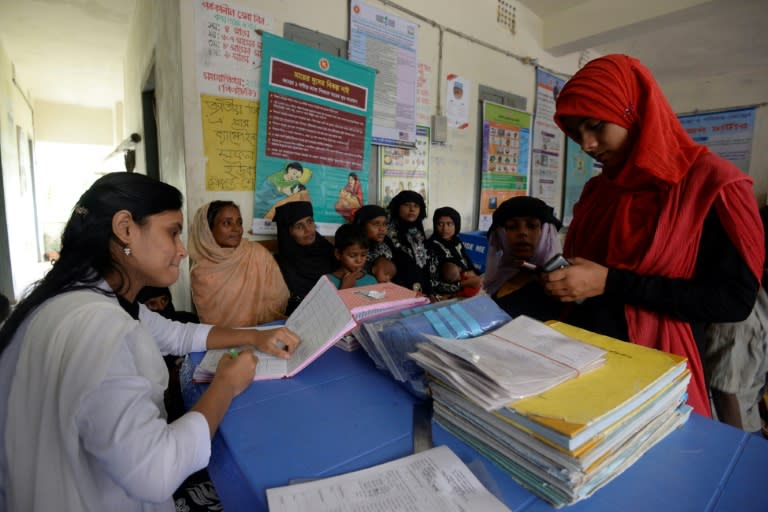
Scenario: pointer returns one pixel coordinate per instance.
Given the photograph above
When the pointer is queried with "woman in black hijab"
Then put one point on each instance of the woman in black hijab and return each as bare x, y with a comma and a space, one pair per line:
446, 248
407, 212
303, 254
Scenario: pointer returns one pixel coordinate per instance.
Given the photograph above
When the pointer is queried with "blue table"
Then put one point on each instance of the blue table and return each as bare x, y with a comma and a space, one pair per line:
340, 414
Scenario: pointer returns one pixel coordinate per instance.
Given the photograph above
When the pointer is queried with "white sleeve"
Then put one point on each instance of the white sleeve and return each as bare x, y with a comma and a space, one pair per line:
126, 433
174, 338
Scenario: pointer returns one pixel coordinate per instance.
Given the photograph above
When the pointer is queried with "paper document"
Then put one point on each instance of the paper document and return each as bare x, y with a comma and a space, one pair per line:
521, 358
432, 480
320, 321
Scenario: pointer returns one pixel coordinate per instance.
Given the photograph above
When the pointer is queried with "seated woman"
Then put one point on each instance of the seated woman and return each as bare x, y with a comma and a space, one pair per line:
407, 212
372, 219
351, 249
453, 271
524, 229
303, 254
235, 282
81, 367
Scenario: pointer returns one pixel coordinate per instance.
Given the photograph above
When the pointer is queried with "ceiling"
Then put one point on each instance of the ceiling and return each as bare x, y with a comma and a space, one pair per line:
68, 51
72, 51
700, 39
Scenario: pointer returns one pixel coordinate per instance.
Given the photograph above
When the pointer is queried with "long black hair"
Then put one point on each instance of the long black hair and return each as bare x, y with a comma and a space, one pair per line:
85, 256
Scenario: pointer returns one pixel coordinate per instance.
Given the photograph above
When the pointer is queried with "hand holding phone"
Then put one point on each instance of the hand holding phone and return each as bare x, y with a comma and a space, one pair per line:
555, 262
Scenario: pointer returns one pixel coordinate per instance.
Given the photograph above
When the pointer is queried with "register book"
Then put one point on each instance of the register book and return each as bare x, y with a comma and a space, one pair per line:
321, 320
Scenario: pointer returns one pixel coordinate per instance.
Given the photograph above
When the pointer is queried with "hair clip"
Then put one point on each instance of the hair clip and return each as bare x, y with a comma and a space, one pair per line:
81, 210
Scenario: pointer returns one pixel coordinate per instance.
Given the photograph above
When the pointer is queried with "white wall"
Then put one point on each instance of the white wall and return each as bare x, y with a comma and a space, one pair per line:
19, 267
74, 124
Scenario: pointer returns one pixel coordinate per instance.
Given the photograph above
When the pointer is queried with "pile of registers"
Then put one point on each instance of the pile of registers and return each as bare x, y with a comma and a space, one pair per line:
563, 410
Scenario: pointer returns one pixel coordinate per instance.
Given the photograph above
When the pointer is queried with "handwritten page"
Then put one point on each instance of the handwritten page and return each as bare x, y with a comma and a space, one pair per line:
431, 480
230, 127
320, 321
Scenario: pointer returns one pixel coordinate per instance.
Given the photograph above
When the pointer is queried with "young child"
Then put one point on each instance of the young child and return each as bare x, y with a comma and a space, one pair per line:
453, 273
372, 220
351, 252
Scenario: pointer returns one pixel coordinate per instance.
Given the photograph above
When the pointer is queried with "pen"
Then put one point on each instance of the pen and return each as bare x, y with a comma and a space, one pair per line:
233, 352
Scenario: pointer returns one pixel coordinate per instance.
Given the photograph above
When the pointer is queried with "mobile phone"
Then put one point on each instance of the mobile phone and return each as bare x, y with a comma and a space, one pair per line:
555, 262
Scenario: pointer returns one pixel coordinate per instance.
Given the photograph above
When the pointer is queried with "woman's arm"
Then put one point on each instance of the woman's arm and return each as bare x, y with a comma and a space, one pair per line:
722, 289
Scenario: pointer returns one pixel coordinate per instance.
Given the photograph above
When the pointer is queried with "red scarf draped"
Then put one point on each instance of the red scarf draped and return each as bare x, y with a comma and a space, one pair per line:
648, 216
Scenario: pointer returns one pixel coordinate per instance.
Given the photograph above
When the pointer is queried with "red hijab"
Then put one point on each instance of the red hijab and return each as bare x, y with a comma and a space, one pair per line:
648, 215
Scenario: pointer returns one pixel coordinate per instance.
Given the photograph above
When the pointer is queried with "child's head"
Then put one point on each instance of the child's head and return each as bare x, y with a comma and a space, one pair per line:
383, 270
523, 218
155, 298
373, 221
293, 171
351, 247
446, 223
450, 271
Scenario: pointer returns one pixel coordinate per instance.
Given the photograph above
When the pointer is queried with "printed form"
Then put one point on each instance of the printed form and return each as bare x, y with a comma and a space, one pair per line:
431, 480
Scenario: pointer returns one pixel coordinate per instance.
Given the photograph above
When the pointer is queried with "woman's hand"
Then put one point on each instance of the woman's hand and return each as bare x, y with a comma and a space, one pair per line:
236, 372
280, 342
583, 279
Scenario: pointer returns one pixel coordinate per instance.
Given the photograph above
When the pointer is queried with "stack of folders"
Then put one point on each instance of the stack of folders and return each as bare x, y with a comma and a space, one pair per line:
373, 301
389, 339
569, 439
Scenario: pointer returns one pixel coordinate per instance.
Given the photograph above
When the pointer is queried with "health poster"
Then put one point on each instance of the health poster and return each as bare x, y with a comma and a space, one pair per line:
547, 143
314, 134
506, 145
579, 168
405, 169
727, 133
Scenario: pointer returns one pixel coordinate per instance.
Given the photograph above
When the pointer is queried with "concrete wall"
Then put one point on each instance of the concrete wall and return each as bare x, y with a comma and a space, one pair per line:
73, 124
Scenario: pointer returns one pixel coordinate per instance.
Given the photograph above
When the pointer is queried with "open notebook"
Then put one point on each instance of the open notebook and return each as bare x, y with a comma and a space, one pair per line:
321, 320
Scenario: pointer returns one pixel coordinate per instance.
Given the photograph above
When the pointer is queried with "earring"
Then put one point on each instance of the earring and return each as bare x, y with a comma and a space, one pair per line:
127, 250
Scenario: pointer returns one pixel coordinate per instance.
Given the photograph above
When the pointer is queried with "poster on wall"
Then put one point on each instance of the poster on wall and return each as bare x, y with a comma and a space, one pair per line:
228, 50
547, 143
728, 133
457, 101
579, 168
423, 95
314, 134
387, 43
504, 169
405, 169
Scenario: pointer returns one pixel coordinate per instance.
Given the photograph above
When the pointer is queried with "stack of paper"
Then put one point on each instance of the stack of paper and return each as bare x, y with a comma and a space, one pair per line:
567, 442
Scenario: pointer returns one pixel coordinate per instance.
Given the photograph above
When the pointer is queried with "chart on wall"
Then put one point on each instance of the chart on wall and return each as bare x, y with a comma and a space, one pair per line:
579, 168
314, 134
728, 133
547, 143
387, 43
504, 171
405, 169
228, 52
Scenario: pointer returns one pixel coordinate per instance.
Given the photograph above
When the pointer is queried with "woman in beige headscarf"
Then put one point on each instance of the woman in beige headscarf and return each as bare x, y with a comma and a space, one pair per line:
235, 282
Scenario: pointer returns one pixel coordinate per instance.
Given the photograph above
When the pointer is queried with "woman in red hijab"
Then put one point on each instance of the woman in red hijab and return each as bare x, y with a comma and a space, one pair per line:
668, 238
